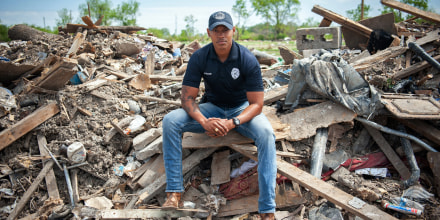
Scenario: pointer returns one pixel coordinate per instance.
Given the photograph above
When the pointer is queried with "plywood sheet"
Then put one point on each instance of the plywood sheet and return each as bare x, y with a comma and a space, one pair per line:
303, 123
412, 106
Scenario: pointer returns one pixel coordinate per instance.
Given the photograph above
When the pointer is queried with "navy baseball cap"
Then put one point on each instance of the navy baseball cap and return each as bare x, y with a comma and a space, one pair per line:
220, 18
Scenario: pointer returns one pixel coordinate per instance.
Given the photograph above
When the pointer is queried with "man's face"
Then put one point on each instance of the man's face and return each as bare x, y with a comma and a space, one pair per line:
221, 37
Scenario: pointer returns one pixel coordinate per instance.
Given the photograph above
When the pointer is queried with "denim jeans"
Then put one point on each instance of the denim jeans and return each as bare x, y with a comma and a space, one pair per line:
259, 129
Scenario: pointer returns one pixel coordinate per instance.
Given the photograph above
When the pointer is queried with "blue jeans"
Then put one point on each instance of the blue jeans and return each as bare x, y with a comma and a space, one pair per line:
259, 129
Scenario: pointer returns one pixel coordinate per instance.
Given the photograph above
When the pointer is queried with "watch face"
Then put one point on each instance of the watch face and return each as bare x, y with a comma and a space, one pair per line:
236, 121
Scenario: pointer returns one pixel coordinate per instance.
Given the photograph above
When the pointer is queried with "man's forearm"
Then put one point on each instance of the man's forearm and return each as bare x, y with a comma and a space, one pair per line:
188, 100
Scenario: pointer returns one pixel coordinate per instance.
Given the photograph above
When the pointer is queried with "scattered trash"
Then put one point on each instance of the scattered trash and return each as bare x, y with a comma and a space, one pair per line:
401, 209
76, 152
377, 172
135, 125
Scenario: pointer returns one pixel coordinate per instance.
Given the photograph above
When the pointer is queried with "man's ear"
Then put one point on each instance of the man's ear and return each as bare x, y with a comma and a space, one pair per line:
207, 30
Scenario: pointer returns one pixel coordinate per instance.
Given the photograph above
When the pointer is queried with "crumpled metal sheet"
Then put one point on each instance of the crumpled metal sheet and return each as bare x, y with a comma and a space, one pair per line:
331, 76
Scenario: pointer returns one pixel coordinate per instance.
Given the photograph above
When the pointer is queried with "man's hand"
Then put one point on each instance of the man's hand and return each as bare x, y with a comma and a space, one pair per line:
217, 127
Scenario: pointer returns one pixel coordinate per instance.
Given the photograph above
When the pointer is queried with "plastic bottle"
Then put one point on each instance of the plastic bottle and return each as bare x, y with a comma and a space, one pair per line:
76, 152
135, 125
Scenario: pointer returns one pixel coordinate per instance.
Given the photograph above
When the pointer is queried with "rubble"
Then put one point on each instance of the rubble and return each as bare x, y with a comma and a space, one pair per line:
339, 114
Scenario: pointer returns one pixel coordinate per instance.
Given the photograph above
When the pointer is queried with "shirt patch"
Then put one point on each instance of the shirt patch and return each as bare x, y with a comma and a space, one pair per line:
208, 74
235, 73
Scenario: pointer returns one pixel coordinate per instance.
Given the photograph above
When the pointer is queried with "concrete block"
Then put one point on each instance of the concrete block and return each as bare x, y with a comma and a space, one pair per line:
154, 148
145, 138
316, 38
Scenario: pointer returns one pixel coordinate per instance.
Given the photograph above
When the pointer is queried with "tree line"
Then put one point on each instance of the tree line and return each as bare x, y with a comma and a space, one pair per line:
279, 18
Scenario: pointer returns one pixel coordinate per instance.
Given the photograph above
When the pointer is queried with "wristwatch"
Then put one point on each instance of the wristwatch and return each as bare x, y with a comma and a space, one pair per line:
236, 121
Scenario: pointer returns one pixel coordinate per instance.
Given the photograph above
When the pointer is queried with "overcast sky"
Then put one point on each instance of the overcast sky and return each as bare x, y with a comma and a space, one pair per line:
168, 13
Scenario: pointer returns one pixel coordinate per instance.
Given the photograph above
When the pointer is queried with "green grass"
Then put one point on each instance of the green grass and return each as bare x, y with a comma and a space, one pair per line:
270, 47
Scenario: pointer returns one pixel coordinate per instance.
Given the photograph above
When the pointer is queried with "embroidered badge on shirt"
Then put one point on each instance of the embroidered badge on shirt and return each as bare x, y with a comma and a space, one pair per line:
235, 73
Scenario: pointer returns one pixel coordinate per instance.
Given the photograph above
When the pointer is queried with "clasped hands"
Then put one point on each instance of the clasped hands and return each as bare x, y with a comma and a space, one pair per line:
218, 127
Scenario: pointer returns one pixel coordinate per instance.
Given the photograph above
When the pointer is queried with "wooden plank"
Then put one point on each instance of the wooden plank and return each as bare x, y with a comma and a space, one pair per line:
323, 189
155, 99
276, 94
30, 191
51, 182
160, 78
423, 128
325, 22
415, 68
93, 84
389, 152
434, 163
361, 29
28, 123
380, 56
151, 190
220, 168
75, 189
201, 140
155, 170
430, 36
283, 198
429, 16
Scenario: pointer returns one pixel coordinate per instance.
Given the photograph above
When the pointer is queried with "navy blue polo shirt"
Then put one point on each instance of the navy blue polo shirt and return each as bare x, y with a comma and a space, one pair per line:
226, 83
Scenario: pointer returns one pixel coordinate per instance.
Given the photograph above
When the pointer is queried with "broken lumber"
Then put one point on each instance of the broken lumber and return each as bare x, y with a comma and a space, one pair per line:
283, 198
423, 128
155, 99
380, 56
276, 94
30, 191
352, 25
72, 28
56, 77
415, 68
51, 181
323, 189
152, 189
28, 123
220, 168
389, 152
429, 16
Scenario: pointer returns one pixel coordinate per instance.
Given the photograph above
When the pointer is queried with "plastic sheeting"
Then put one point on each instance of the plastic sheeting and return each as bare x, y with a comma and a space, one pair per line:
327, 74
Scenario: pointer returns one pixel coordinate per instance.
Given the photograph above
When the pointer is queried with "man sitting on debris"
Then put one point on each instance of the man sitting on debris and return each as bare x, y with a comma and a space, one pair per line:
234, 100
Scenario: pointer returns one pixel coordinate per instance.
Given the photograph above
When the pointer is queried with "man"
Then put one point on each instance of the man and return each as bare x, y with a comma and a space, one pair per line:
234, 100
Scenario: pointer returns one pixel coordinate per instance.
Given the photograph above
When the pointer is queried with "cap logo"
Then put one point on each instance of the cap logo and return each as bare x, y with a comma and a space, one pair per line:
219, 16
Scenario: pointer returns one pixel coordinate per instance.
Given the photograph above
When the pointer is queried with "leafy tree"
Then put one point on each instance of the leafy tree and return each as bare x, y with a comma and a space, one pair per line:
65, 17
399, 16
239, 9
190, 30
126, 13
355, 14
97, 9
310, 22
3, 32
276, 12
160, 33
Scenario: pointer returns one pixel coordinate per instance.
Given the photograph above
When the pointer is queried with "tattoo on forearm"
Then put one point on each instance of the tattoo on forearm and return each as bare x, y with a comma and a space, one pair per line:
189, 102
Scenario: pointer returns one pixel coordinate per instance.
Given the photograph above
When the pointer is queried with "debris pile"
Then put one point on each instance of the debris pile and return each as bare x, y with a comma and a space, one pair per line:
357, 128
